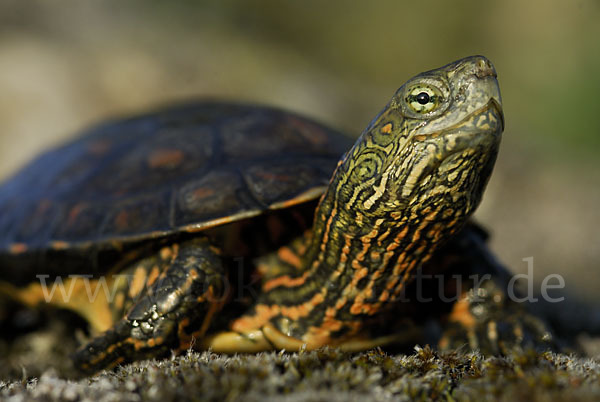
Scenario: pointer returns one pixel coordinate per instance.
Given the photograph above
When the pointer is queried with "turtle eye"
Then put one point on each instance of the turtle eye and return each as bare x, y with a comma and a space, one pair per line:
422, 99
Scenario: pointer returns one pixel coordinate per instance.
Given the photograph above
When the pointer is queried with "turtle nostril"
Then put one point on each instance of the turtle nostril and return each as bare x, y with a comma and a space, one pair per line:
485, 69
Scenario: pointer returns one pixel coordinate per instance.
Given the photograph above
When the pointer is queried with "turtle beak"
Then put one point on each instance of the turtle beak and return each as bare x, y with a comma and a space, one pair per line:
485, 71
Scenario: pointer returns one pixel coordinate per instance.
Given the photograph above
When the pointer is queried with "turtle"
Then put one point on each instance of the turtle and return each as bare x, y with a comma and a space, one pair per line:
244, 228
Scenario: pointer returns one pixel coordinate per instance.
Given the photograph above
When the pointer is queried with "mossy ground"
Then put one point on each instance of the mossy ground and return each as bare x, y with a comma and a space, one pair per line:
330, 375
36, 367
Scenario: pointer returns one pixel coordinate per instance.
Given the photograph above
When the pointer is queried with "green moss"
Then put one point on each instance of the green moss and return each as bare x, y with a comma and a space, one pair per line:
329, 374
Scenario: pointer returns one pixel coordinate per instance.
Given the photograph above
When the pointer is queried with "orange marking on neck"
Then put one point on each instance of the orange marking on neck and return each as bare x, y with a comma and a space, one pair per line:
285, 280
396, 215
357, 306
426, 222
327, 229
330, 324
447, 213
317, 261
359, 275
339, 304
394, 245
288, 256
365, 308
381, 238
369, 236
302, 247
321, 335
392, 283
263, 269
384, 296
387, 256
401, 285
302, 310
262, 314
366, 244
401, 266
346, 248
401, 261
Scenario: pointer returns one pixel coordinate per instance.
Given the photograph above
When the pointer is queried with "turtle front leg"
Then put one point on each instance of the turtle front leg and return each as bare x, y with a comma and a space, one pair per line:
172, 296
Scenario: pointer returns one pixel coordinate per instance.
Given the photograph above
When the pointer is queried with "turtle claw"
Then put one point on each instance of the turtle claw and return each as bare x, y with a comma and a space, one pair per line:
168, 315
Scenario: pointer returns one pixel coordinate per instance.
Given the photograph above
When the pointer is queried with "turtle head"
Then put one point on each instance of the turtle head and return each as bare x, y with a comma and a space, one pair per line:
431, 150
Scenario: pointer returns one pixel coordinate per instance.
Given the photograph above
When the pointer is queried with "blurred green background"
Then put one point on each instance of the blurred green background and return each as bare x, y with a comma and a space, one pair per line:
65, 65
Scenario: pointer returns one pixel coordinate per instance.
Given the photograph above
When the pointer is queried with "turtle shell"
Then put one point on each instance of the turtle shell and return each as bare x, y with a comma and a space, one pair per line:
181, 169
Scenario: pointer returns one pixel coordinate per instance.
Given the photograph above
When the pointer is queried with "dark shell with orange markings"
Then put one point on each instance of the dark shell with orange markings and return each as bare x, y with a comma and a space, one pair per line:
181, 169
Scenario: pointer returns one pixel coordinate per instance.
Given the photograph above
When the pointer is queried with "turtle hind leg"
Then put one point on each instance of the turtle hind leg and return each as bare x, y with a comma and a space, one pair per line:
487, 320
175, 308
481, 314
